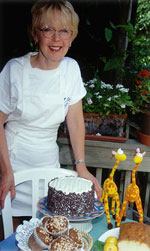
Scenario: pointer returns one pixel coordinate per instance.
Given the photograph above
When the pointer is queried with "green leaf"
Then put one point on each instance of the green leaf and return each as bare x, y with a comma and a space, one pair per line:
31, 44
125, 26
88, 22
89, 95
130, 24
112, 25
113, 63
98, 246
108, 34
103, 59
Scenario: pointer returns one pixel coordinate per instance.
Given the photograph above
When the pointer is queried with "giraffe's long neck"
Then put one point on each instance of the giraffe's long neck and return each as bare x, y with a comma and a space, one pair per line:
133, 174
113, 170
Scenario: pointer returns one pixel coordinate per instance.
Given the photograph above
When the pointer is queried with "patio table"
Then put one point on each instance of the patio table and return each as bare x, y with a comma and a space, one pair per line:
99, 227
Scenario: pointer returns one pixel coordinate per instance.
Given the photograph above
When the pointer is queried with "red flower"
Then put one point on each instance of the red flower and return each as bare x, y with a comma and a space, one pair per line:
138, 82
144, 92
143, 73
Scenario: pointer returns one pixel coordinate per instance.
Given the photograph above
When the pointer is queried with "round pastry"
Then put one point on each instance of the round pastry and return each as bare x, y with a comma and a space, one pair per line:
62, 243
44, 220
57, 225
39, 239
76, 237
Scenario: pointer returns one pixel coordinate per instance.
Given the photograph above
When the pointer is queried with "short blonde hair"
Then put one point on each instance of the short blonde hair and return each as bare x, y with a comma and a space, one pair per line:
43, 7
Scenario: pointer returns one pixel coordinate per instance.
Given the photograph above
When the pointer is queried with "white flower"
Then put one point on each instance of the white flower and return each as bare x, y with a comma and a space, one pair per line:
89, 100
92, 81
123, 106
85, 84
124, 89
92, 86
103, 85
107, 86
105, 97
118, 86
99, 97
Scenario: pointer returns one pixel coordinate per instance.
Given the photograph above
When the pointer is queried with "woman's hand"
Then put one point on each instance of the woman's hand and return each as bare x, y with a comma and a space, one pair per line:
6, 185
84, 173
6, 172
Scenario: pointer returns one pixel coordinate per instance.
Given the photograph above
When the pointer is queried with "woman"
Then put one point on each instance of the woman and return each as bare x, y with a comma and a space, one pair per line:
37, 92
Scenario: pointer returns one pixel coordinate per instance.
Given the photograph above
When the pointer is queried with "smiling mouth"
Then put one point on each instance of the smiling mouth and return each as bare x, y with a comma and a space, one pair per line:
55, 48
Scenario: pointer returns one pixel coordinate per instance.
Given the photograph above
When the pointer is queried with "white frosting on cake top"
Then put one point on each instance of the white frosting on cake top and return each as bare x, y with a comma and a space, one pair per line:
71, 185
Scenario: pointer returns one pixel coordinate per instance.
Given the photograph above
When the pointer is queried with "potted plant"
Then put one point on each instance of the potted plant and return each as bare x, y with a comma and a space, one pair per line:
141, 104
105, 108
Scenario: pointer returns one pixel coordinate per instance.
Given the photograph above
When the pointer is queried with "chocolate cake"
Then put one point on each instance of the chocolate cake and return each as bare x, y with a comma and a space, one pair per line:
70, 196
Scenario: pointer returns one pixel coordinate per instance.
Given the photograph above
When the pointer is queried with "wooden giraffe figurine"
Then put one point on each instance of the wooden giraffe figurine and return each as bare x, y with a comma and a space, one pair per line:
110, 190
132, 192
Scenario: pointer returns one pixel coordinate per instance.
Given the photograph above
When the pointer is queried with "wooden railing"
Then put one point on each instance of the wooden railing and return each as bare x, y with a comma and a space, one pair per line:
98, 156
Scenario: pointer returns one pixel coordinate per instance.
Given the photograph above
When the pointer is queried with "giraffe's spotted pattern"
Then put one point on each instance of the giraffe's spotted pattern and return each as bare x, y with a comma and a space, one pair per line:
132, 192
110, 190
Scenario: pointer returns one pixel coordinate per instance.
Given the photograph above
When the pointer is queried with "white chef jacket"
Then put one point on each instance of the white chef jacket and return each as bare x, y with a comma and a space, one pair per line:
37, 102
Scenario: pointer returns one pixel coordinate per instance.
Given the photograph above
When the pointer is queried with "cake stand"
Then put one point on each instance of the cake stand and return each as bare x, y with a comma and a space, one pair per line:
82, 223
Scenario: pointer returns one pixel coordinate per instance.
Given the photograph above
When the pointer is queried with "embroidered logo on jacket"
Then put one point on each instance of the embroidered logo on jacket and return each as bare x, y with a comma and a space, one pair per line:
66, 101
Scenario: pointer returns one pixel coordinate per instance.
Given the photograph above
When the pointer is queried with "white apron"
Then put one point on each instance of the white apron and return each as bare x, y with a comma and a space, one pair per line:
32, 138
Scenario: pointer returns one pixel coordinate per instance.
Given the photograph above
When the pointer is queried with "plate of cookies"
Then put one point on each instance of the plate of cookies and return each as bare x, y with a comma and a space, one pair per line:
98, 211
51, 232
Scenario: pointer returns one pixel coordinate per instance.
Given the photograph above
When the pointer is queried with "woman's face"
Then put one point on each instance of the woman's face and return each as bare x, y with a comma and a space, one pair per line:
53, 42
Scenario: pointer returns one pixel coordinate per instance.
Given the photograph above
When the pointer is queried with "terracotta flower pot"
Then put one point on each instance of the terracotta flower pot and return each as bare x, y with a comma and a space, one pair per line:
96, 126
106, 125
143, 138
145, 125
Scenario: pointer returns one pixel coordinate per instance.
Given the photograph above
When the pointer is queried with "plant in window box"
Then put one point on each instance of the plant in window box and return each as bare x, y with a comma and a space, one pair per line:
141, 104
141, 94
105, 108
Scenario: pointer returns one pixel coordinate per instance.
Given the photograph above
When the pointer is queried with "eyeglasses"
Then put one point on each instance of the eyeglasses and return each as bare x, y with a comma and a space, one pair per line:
49, 32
